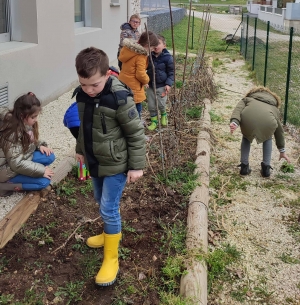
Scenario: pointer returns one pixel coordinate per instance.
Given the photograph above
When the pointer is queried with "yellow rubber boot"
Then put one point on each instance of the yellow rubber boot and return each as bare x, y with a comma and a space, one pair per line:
164, 119
96, 241
154, 123
110, 267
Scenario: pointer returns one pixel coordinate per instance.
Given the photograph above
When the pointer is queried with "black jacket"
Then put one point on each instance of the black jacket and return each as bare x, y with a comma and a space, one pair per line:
164, 69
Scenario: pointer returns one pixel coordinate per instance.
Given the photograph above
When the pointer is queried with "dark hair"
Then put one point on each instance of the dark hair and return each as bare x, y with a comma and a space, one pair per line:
162, 38
153, 40
12, 127
90, 61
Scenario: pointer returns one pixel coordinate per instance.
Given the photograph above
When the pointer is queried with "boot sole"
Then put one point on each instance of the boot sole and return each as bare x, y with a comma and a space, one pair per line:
109, 283
94, 247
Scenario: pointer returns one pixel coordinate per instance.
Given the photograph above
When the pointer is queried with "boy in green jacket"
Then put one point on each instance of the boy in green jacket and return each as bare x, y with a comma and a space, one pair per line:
111, 143
258, 116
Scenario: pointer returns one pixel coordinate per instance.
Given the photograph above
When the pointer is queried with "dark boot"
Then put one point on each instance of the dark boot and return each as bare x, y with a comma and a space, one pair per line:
245, 169
265, 170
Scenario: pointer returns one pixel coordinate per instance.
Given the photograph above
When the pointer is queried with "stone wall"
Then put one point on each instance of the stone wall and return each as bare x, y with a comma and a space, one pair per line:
160, 20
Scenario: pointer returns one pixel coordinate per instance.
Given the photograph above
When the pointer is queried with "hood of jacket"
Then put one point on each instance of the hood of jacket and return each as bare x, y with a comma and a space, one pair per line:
132, 49
125, 26
265, 95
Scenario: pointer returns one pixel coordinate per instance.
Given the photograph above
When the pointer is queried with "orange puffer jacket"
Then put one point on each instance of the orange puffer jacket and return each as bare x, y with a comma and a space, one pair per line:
134, 60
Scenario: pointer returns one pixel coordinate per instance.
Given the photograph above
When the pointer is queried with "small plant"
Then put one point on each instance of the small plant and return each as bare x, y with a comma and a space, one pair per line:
40, 234
168, 298
89, 264
179, 84
288, 259
66, 187
73, 202
3, 263
183, 178
218, 260
217, 62
194, 112
124, 252
214, 117
6, 299
287, 167
172, 271
71, 292
126, 227
86, 188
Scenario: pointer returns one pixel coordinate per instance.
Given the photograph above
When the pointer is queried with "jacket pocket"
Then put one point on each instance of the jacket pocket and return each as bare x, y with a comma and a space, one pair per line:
116, 152
103, 123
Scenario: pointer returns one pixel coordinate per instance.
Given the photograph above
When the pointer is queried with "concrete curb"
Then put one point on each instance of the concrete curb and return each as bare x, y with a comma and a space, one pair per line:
194, 284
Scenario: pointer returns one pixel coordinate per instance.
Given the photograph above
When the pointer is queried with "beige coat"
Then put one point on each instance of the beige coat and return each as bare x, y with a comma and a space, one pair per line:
134, 60
15, 161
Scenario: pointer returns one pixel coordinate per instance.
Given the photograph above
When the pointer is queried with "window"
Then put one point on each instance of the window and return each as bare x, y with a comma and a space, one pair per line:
114, 2
79, 13
4, 21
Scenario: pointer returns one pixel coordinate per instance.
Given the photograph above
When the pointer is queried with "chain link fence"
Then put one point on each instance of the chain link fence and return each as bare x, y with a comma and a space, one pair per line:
274, 56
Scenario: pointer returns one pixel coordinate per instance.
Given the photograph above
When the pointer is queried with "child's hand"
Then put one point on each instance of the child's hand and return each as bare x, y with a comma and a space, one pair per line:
134, 175
48, 173
284, 156
79, 158
46, 150
146, 86
233, 127
167, 88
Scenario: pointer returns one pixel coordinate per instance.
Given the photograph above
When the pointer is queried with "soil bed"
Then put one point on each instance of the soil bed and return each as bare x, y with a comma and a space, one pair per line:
34, 271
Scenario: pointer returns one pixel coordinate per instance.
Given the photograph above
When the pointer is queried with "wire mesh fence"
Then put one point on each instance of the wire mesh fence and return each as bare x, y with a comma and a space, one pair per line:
148, 5
274, 56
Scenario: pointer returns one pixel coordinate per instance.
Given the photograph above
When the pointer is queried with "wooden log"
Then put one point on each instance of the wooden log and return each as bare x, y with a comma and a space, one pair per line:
17, 216
194, 284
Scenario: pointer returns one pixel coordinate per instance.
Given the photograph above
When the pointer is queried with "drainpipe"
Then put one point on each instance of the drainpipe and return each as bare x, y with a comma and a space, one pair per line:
128, 9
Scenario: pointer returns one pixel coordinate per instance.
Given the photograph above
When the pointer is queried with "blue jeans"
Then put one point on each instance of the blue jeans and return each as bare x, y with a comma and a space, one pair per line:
139, 108
108, 191
35, 183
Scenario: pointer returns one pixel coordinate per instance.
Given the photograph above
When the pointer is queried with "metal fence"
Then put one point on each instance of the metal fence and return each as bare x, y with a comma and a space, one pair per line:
149, 5
274, 56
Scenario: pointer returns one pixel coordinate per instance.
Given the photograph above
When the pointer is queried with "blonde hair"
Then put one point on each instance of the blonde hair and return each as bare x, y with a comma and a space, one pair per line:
135, 16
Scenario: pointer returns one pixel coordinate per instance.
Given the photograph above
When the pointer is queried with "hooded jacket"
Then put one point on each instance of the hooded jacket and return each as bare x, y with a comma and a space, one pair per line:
16, 162
259, 117
128, 32
164, 69
111, 136
134, 60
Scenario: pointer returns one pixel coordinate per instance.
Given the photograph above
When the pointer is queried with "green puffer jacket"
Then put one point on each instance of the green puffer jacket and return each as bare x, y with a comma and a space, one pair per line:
16, 162
111, 135
259, 117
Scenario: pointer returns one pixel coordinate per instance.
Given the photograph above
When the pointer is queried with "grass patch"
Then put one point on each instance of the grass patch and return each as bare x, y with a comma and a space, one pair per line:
194, 112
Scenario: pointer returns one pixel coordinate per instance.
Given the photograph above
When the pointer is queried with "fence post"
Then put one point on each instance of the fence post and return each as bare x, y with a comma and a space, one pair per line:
288, 76
193, 30
267, 53
242, 33
246, 46
254, 44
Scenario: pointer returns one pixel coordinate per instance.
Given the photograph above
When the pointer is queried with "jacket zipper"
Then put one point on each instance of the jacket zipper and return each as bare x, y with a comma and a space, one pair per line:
103, 123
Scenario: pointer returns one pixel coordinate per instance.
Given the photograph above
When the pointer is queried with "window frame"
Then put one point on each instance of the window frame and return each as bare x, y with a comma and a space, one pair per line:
5, 37
80, 24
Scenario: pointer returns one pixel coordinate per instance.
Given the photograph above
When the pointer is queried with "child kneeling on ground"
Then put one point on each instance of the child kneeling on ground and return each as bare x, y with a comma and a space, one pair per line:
111, 143
24, 159
258, 116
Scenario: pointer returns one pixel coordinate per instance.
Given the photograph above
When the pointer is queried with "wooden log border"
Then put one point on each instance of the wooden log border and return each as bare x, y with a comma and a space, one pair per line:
194, 284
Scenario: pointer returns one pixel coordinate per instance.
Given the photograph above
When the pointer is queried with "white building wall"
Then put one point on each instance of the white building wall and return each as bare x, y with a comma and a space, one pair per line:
42, 57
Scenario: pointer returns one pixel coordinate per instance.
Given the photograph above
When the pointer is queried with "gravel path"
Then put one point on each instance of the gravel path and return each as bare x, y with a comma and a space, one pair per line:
55, 134
258, 219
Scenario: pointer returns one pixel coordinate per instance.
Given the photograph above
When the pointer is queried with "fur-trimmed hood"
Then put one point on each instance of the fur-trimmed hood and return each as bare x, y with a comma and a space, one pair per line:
264, 93
134, 46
